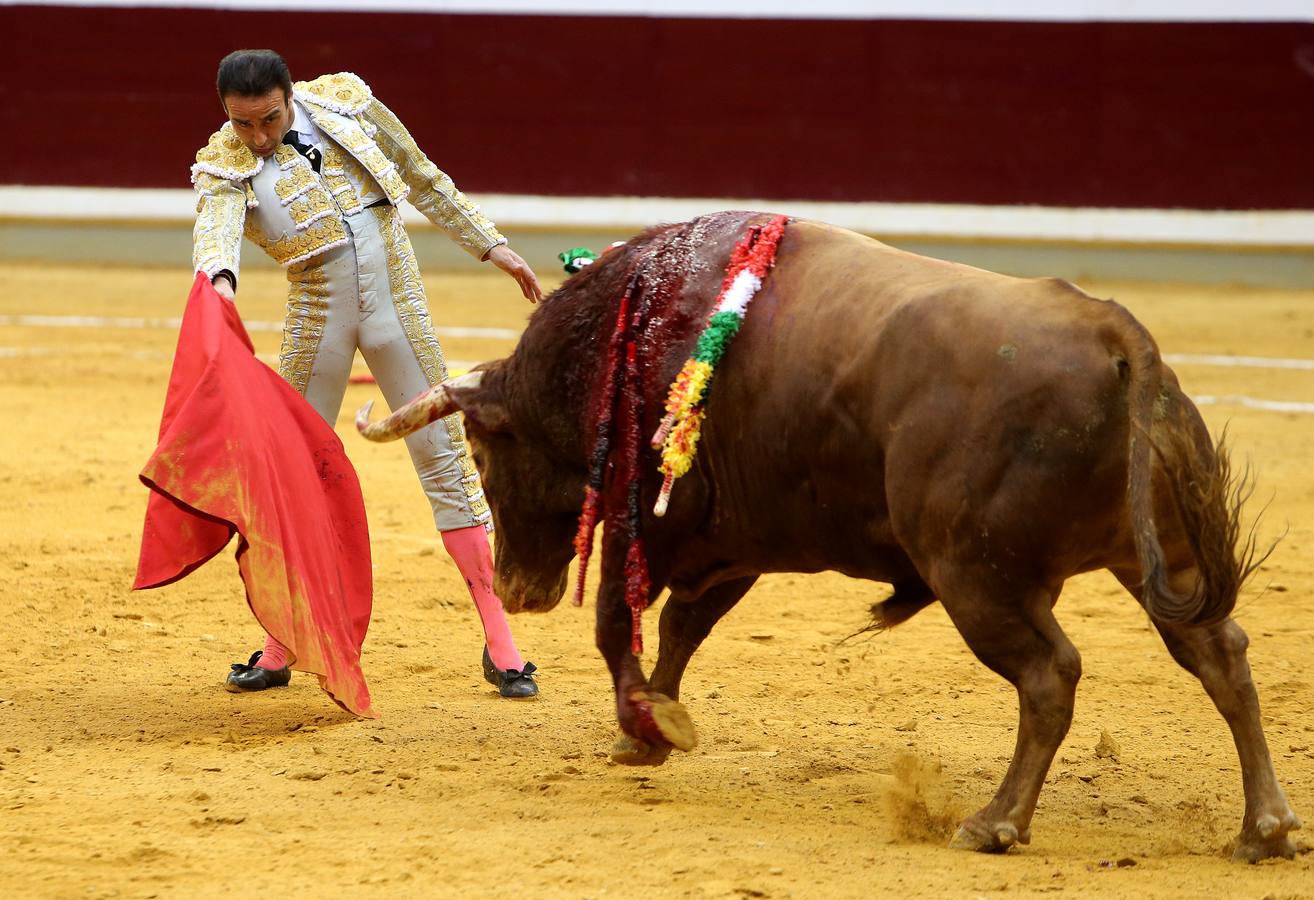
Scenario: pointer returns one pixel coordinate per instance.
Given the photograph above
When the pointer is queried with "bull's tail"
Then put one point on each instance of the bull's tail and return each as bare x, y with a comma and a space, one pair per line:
1207, 494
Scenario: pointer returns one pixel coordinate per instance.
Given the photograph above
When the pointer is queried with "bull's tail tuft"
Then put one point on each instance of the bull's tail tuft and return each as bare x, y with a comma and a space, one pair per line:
911, 596
1208, 497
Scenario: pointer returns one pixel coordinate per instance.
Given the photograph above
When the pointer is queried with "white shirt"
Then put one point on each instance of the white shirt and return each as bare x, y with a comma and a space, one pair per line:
307, 131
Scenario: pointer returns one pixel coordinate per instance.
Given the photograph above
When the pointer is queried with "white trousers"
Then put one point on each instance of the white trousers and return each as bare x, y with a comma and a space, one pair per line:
367, 295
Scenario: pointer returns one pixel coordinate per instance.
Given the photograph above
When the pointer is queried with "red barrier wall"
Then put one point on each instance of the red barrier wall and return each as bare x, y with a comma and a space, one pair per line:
1065, 114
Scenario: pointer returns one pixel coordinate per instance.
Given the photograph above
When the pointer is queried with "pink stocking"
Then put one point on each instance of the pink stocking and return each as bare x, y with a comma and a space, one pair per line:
274, 655
469, 549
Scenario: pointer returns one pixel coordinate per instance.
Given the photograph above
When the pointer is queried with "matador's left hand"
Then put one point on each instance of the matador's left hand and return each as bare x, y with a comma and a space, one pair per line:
509, 261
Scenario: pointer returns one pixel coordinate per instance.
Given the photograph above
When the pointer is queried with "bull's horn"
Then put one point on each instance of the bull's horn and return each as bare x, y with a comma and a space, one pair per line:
432, 405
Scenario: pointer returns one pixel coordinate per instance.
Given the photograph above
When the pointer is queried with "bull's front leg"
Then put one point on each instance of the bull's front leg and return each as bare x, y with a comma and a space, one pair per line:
687, 620
653, 724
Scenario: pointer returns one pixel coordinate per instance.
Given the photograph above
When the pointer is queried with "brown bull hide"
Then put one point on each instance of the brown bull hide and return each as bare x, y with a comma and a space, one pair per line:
964, 436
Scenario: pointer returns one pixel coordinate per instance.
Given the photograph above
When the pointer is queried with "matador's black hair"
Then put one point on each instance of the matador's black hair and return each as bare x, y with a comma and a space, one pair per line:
253, 73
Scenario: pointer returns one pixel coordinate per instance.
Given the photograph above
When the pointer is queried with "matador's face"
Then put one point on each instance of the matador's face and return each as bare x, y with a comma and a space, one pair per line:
260, 122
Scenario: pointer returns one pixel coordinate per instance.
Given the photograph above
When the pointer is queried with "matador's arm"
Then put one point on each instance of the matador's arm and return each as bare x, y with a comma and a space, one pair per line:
220, 217
432, 192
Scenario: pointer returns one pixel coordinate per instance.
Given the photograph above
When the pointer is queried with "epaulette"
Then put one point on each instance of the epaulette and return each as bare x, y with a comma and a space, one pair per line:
342, 93
225, 156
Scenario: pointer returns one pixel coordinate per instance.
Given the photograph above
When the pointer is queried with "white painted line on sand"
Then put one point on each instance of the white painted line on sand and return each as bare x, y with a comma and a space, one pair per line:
1250, 362
457, 366
1289, 406
172, 324
467, 331
454, 366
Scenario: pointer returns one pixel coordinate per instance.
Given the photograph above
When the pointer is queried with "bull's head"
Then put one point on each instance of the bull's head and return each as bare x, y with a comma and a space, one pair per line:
535, 498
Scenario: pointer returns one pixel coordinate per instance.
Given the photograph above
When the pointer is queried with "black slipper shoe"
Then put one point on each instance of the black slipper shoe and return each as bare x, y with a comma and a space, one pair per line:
517, 684
250, 677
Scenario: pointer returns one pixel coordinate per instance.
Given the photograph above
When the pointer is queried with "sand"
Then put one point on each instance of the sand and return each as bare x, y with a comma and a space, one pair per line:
826, 768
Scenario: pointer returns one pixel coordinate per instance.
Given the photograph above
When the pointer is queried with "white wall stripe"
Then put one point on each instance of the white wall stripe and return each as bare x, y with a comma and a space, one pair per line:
1015, 10
1217, 228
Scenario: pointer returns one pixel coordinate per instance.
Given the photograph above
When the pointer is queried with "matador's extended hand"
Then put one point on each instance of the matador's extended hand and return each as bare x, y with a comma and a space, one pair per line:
509, 261
224, 288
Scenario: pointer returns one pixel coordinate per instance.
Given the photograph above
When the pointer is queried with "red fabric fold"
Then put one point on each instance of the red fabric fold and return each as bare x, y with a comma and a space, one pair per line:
241, 451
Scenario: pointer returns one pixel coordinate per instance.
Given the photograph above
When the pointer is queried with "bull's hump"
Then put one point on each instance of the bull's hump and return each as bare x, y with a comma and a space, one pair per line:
811, 229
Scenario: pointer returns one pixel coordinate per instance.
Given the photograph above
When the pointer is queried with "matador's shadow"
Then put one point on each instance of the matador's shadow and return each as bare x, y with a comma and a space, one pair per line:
202, 714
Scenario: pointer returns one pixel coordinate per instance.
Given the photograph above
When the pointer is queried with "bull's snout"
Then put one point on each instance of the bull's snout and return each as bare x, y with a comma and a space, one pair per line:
524, 595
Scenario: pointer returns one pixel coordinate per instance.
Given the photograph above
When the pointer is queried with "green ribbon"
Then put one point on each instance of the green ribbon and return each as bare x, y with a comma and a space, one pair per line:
576, 258
720, 331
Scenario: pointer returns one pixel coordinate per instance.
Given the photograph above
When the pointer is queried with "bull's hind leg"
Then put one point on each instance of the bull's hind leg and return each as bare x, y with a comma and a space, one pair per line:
1013, 631
1216, 654
686, 621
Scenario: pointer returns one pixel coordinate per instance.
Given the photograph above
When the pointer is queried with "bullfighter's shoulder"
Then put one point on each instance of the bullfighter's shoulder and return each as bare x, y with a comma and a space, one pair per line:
225, 156
341, 92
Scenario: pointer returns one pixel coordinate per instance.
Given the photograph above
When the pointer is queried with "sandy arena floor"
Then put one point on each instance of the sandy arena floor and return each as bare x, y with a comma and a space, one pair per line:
825, 769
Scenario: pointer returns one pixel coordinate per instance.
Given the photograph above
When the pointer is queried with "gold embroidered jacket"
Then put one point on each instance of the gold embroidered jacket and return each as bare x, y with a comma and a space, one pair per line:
301, 215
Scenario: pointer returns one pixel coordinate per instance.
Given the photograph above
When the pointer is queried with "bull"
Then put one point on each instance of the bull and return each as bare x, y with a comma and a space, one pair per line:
966, 437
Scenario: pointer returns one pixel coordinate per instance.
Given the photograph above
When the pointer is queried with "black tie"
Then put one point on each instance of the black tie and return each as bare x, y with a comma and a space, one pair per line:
305, 150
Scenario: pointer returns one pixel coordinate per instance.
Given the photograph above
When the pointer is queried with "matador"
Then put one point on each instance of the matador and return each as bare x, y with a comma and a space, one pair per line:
313, 173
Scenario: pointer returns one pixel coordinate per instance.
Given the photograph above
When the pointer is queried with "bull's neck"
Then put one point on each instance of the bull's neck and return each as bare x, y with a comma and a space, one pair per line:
566, 361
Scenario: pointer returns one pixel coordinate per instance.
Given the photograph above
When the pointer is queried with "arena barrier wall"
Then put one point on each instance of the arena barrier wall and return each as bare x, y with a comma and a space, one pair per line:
1116, 137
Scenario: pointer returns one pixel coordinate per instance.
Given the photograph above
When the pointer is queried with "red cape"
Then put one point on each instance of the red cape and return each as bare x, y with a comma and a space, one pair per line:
241, 451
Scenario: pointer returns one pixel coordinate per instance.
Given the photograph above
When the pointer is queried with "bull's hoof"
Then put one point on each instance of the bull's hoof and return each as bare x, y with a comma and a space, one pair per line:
628, 751
1267, 839
660, 721
985, 837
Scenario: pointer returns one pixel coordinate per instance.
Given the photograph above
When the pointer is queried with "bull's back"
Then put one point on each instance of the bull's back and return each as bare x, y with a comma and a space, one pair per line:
852, 336
871, 388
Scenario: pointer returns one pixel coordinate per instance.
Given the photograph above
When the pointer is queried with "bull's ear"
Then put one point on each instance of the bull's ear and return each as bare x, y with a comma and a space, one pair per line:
479, 395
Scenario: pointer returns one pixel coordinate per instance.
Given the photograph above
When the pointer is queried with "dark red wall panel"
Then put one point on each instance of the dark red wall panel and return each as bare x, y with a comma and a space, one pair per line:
1103, 114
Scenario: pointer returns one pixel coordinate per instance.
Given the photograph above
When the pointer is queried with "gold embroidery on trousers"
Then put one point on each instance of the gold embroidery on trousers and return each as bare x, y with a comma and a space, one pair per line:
408, 297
